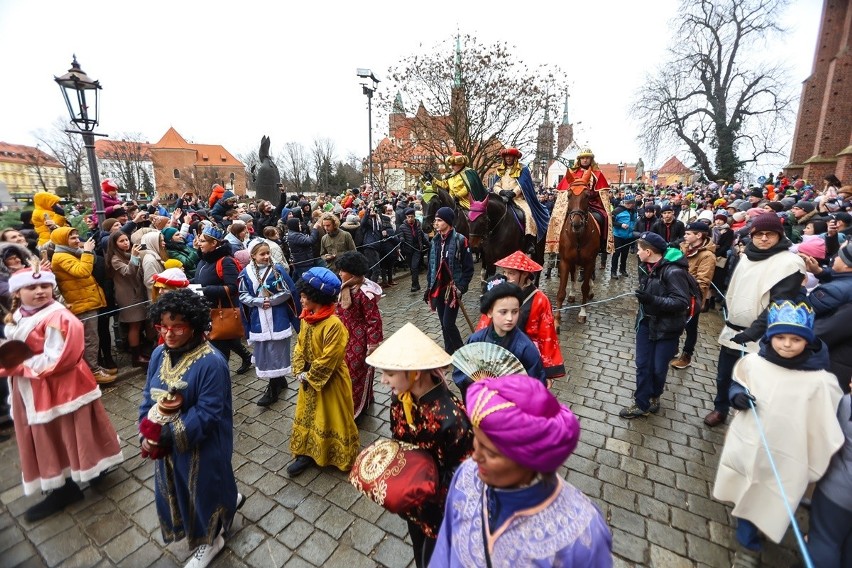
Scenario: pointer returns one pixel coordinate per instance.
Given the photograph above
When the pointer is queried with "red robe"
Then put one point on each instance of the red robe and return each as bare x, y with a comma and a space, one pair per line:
541, 329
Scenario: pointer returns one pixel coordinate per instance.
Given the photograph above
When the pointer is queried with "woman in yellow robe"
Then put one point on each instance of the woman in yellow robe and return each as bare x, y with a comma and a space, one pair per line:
324, 430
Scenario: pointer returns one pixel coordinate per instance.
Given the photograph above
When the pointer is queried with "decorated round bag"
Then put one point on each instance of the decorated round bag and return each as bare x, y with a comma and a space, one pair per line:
396, 475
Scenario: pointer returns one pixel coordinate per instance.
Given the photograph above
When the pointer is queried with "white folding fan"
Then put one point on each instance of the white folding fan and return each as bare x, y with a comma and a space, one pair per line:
481, 359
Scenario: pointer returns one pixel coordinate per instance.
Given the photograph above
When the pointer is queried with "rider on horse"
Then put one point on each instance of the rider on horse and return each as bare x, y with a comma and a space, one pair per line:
599, 204
514, 183
463, 183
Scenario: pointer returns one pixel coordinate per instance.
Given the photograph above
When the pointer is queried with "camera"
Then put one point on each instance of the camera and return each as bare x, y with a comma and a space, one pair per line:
143, 246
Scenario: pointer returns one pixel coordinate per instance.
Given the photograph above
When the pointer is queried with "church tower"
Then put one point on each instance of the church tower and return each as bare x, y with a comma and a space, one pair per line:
397, 115
565, 132
458, 104
544, 144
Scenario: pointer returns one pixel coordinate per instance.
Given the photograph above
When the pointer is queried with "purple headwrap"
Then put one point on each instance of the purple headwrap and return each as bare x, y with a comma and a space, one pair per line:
524, 421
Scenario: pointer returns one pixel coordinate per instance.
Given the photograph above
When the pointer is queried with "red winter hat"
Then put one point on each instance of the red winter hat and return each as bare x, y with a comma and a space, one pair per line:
511, 152
109, 185
518, 261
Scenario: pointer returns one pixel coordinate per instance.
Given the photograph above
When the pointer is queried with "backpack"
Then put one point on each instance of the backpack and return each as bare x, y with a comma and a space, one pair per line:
696, 297
221, 273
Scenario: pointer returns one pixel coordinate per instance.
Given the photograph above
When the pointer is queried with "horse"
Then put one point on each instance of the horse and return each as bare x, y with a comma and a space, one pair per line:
442, 198
497, 233
579, 244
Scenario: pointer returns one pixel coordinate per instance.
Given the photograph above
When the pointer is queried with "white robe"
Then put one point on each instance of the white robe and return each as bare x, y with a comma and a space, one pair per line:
798, 412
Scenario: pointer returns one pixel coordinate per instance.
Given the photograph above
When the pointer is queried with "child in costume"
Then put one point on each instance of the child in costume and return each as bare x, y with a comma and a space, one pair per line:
536, 315
502, 304
425, 413
64, 434
268, 292
796, 399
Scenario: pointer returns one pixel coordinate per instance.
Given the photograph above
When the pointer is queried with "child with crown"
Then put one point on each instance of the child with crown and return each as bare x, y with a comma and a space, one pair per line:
787, 387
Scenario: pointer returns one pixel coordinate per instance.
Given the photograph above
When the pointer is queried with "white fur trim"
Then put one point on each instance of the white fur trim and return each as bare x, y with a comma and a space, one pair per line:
270, 374
57, 482
273, 336
45, 416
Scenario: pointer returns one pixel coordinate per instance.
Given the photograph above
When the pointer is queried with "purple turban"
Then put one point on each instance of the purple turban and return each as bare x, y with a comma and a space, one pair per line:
524, 421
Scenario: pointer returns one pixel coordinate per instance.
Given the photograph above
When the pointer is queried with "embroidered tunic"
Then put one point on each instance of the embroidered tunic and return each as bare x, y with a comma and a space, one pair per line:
61, 426
565, 529
442, 428
195, 489
324, 426
364, 323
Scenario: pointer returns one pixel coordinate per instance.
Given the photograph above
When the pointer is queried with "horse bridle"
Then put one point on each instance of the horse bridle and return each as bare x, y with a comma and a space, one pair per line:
584, 218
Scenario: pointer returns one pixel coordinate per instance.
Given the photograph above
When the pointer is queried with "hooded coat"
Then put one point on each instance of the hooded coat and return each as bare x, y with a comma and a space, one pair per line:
44, 205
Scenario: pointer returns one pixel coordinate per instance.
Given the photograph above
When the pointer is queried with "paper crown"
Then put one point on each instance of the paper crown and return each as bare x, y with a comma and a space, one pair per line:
787, 317
214, 233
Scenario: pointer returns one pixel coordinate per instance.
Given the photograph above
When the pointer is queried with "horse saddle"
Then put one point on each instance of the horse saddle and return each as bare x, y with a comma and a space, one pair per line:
602, 228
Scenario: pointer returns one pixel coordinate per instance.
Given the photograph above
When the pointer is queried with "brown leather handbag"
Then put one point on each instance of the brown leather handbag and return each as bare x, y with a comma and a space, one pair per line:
226, 322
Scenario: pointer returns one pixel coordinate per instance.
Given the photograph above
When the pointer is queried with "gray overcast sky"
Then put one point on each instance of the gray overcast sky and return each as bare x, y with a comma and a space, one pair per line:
230, 72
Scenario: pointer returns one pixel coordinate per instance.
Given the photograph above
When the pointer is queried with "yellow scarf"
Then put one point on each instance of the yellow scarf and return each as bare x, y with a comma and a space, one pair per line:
407, 401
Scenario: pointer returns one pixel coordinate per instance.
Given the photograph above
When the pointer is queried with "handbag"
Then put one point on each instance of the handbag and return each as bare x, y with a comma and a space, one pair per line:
226, 323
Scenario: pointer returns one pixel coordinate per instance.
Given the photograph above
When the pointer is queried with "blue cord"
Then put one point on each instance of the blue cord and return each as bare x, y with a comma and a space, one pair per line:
802, 546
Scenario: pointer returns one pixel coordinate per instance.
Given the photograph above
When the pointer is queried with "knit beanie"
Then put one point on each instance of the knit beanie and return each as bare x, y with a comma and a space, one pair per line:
106, 226
446, 215
806, 206
767, 222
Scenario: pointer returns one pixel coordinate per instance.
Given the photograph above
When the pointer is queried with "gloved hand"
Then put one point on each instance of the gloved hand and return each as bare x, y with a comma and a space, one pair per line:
426, 295
644, 297
507, 194
740, 401
150, 430
153, 452
741, 338
427, 176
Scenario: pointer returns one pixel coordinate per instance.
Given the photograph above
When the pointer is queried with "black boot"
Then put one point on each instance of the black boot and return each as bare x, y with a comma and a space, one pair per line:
273, 389
57, 500
245, 355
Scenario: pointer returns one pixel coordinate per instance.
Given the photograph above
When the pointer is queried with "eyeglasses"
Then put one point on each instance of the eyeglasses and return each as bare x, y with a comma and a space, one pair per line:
178, 330
763, 234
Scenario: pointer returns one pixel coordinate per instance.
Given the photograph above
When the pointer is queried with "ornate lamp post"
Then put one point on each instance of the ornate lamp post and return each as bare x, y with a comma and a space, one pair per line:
367, 74
543, 165
81, 97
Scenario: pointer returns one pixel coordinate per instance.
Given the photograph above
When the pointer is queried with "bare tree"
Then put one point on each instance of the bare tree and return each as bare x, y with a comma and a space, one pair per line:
322, 159
712, 96
36, 163
294, 167
125, 158
473, 100
68, 149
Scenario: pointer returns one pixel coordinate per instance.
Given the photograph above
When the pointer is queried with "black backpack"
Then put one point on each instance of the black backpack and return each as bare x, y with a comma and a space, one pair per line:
696, 297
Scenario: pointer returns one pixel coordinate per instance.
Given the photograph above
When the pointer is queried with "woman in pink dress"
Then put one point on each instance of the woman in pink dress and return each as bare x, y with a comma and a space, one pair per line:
63, 432
358, 309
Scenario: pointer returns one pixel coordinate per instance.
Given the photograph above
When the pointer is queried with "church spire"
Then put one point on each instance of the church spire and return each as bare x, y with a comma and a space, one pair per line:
457, 79
398, 107
565, 111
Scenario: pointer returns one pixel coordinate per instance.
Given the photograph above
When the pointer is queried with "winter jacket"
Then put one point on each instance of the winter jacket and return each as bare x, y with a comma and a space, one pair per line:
74, 276
668, 286
412, 237
671, 233
212, 285
44, 205
623, 216
834, 290
127, 281
301, 247
702, 265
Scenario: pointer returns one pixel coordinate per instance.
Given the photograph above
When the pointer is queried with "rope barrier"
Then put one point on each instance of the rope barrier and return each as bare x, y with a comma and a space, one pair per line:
116, 310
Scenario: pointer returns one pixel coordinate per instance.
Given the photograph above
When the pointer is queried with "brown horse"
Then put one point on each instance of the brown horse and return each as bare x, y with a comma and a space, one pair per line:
579, 244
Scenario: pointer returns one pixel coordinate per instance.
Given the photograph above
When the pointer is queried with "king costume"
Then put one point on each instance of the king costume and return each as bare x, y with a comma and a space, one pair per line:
195, 489
324, 425
464, 184
61, 426
517, 179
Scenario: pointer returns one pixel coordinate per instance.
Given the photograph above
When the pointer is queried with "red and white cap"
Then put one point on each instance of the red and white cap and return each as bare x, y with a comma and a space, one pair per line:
519, 261
30, 277
109, 185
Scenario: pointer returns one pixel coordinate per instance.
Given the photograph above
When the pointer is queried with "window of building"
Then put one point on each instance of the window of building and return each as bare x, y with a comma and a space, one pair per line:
176, 173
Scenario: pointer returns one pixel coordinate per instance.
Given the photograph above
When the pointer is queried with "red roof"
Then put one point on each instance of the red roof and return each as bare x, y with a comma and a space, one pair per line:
674, 166
205, 154
107, 149
20, 154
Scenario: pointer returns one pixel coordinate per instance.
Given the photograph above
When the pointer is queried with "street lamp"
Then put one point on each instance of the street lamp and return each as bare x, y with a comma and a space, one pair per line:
620, 174
367, 74
543, 164
79, 90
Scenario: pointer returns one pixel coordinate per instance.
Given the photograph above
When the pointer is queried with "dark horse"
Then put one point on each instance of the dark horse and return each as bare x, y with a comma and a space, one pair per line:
579, 243
497, 233
442, 198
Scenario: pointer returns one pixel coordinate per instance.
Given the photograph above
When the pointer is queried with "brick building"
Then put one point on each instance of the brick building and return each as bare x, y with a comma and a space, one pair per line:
823, 140
180, 166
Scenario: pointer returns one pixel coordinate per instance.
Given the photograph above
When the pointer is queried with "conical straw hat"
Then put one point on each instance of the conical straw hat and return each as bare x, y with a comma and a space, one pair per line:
409, 349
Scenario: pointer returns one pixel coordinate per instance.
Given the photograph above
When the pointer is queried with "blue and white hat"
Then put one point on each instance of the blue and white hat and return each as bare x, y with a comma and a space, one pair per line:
322, 279
214, 233
787, 317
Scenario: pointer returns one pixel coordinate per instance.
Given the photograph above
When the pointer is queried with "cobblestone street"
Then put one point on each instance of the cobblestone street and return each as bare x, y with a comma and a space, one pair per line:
651, 477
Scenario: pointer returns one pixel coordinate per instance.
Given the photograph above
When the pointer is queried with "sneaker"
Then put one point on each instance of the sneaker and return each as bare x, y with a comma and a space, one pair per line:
613, 276
683, 361
624, 274
205, 553
633, 412
299, 465
654, 407
103, 378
